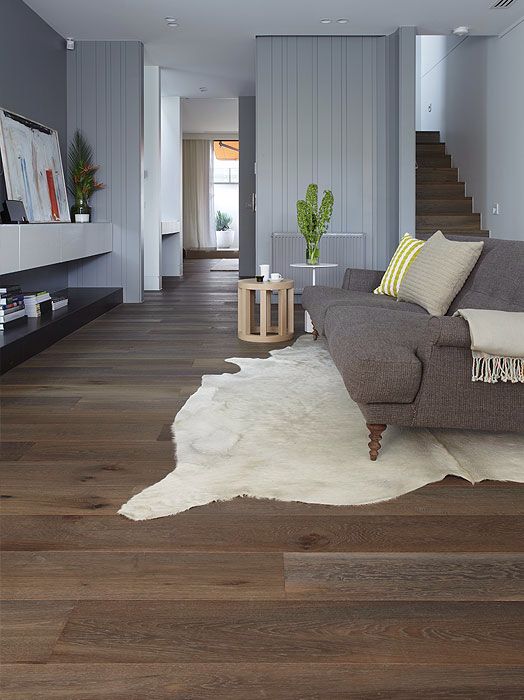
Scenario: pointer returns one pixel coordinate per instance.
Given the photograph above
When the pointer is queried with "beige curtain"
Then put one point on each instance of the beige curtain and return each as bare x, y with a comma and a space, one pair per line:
198, 199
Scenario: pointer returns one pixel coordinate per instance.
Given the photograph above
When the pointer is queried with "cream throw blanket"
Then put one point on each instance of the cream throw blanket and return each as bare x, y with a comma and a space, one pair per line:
497, 344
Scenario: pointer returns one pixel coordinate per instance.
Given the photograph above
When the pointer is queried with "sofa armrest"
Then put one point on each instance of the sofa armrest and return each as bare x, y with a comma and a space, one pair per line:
449, 331
361, 280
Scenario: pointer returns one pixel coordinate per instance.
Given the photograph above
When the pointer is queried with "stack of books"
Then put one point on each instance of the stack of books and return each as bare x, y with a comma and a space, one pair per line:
12, 306
37, 303
58, 301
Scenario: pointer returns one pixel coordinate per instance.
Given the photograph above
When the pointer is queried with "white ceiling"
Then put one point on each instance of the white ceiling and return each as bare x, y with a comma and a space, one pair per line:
215, 39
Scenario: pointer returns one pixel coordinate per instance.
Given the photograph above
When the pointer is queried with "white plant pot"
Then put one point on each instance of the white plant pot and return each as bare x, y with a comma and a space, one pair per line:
225, 238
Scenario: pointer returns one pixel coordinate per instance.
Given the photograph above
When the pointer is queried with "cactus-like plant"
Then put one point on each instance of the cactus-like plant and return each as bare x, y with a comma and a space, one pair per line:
223, 221
313, 220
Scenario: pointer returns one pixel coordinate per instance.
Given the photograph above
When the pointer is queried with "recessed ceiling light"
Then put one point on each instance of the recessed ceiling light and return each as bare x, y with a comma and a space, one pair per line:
461, 31
203, 89
171, 22
326, 21
342, 21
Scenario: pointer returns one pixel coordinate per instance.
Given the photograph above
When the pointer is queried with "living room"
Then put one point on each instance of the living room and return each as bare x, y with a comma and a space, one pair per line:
303, 478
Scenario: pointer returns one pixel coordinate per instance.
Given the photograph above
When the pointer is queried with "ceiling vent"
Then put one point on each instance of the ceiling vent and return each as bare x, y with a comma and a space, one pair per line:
503, 4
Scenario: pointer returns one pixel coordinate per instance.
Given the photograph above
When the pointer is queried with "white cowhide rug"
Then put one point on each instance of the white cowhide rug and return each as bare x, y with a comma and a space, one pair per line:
285, 428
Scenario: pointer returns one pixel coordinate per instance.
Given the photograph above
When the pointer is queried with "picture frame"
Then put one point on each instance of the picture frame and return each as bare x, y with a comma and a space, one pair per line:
33, 169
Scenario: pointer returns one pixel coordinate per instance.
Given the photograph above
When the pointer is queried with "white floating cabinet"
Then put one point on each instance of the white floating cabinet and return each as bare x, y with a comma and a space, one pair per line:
26, 246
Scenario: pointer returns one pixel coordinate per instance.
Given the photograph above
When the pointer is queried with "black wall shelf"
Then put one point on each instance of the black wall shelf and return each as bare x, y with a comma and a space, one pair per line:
29, 337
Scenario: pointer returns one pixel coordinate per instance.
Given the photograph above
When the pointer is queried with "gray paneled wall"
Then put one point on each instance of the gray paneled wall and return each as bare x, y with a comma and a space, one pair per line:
105, 101
348, 250
323, 116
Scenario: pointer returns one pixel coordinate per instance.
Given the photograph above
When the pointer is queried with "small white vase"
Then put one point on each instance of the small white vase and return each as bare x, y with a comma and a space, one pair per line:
225, 238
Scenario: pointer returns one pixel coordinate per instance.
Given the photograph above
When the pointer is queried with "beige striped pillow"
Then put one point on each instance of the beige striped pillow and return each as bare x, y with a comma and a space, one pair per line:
407, 251
439, 273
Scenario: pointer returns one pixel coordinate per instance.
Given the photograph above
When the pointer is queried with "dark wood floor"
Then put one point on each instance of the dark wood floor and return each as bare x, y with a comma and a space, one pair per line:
417, 598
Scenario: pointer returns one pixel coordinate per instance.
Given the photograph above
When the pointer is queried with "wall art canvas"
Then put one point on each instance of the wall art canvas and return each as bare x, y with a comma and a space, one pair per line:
33, 168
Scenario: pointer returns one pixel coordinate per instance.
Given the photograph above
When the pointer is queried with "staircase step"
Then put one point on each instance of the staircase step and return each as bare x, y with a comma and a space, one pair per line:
477, 233
428, 136
444, 190
436, 161
445, 206
431, 149
447, 221
432, 174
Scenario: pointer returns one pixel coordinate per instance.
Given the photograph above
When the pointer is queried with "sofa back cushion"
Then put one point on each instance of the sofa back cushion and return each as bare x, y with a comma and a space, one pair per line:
496, 281
439, 272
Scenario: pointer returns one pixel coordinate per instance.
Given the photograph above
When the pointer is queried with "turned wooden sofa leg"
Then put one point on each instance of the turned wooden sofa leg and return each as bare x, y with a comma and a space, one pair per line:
375, 436
315, 333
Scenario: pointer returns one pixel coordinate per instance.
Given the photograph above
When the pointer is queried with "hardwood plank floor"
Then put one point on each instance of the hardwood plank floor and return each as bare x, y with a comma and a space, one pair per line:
416, 597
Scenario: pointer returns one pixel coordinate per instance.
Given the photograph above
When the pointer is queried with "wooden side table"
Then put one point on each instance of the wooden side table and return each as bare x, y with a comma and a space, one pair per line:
265, 332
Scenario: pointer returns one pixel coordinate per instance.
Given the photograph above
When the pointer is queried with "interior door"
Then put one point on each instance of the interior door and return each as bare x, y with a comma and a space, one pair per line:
247, 186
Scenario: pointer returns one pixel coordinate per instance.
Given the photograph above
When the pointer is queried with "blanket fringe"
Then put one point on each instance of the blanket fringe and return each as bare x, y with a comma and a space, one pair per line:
493, 368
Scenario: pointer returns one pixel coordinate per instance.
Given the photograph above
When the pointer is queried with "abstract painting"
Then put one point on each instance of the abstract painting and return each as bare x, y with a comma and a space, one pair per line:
33, 168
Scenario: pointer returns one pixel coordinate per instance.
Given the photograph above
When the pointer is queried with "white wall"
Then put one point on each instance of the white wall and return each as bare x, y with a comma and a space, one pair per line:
152, 235
476, 93
209, 115
171, 185
505, 127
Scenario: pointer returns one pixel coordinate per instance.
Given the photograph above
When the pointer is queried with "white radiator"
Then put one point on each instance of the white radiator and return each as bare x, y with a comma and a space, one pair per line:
346, 249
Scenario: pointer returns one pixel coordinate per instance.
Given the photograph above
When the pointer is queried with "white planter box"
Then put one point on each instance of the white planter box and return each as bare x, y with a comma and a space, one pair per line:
225, 239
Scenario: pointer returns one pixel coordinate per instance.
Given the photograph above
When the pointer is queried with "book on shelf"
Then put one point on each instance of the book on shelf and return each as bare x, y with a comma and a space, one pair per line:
36, 296
58, 301
37, 303
12, 305
5, 321
40, 309
9, 298
10, 289
4, 312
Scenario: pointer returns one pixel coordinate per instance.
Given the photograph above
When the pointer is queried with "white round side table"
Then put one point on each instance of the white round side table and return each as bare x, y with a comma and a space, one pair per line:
308, 326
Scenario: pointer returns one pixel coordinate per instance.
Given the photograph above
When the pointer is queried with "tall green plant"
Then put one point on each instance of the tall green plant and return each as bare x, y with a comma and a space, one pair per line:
81, 170
313, 220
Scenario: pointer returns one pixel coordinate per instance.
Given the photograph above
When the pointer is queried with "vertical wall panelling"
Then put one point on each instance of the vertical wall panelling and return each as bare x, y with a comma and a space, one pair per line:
323, 115
152, 181
391, 169
407, 148
105, 101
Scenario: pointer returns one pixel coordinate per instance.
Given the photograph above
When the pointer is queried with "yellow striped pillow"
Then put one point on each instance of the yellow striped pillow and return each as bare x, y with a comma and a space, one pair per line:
407, 251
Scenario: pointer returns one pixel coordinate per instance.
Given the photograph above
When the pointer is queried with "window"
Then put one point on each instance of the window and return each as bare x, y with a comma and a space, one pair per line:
225, 162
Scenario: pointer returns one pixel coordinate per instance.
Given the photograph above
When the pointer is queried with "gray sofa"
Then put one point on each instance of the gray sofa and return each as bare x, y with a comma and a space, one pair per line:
405, 367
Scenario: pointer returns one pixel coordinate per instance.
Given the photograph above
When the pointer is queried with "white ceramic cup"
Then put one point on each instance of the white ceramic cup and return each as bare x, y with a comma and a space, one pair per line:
276, 277
264, 271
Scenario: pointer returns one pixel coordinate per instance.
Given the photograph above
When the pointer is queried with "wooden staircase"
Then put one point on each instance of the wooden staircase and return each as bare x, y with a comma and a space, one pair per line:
441, 198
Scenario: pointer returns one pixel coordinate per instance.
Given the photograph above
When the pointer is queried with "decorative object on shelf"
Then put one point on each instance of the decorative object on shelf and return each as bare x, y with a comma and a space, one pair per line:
33, 168
14, 212
225, 234
314, 220
82, 181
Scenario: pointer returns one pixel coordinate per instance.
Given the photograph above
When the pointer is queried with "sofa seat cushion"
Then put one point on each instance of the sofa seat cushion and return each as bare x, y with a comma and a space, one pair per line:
317, 300
374, 350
